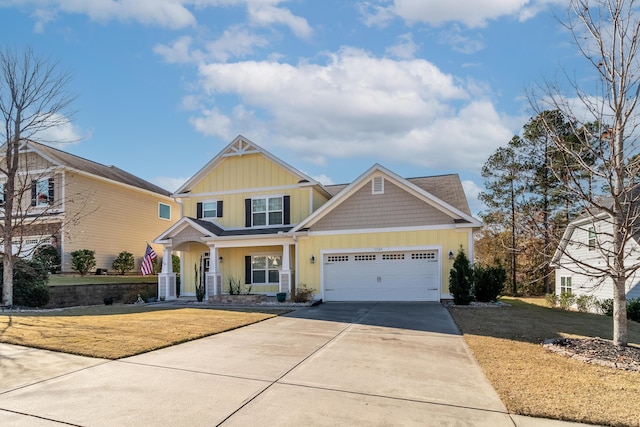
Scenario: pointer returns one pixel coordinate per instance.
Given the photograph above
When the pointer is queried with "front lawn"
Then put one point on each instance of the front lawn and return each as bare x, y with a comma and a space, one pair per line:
118, 331
92, 279
532, 381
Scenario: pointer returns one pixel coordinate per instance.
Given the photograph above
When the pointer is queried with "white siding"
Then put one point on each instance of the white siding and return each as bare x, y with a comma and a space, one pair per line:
583, 283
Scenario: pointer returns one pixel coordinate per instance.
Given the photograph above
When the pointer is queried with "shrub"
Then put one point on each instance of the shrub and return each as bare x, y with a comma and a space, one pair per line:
200, 286
605, 306
48, 256
303, 293
123, 263
633, 309
461, 279
29, 283
566, 300
235, 285
552, 300
585, 303
83, 260
488, 282
175, 264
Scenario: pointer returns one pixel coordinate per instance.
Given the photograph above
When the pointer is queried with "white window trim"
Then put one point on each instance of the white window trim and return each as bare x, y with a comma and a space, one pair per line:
215, 209
266, 270
564, 286
43, 205
266, 212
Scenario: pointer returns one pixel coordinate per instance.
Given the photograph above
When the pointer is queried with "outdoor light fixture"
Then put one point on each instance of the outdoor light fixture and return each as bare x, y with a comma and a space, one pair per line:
313, 259
450, 254
220, 259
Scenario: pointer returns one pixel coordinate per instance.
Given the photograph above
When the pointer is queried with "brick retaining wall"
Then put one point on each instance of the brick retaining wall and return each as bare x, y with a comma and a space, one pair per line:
77, 295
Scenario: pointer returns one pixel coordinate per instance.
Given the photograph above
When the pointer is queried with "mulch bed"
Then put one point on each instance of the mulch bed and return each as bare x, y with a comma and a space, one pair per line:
597, 351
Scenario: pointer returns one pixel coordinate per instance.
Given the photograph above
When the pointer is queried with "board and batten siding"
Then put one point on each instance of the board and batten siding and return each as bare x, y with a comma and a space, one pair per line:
250, 171
231, 267
444, 239
109, 218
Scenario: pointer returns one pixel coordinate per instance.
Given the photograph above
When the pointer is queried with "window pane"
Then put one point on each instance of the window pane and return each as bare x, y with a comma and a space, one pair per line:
274, 262
259, 205
164, 211
42, 192
275, 204
275, 218
259, 276
259, 262
274, 276
259, 219
209, 210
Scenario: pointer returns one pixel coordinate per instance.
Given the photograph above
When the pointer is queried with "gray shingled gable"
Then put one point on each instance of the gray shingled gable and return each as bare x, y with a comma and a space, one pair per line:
447, 188
112, 173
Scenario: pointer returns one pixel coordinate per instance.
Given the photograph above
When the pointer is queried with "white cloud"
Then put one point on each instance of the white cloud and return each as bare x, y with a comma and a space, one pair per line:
178, 52
264, 14
405, 48
356, 105
472, 190
323, 179
58, 130
235, 42
168, 183
472, 14
165, 13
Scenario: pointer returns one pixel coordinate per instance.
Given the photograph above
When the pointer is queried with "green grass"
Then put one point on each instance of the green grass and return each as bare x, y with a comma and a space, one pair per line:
92, 279
533, 381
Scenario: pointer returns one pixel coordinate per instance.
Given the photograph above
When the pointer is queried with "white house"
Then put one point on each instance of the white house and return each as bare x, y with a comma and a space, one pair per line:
582, 258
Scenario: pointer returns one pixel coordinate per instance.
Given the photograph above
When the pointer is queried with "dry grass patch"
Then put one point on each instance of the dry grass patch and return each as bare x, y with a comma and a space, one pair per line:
532, 381
113, 336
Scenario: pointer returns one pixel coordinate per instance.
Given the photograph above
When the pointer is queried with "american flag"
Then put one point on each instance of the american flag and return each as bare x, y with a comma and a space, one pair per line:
149, 256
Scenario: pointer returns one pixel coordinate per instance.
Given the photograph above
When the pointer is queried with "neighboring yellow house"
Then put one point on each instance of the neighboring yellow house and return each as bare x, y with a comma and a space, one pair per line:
73, 203
249, 217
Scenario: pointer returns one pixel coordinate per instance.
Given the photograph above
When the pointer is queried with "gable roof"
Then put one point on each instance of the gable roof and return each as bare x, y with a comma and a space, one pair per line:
82, 165
445, 187
241, 146
448, 186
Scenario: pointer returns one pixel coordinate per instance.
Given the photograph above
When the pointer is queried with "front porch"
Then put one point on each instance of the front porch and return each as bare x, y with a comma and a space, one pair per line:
250, 263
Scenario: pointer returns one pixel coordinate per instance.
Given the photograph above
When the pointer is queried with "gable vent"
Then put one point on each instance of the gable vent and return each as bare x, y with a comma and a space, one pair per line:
377, 185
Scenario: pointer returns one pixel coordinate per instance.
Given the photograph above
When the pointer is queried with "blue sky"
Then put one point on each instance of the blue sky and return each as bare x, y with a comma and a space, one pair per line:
423, 87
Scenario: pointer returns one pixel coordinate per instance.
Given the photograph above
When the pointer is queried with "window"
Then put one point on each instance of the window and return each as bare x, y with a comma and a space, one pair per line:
3, 196
592, 239
267, 211
209, 210
42, 192
164, 211
565, 285
266, 269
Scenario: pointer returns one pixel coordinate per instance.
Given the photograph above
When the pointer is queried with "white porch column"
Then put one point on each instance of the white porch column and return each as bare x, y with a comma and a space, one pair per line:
213, 276
167, 278
285, 271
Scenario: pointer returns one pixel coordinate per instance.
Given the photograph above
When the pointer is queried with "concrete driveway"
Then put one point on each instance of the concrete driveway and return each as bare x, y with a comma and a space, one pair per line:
352, 364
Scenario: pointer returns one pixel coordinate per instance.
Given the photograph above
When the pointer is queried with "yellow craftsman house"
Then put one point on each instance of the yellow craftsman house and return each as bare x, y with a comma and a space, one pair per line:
249, 217
73, 203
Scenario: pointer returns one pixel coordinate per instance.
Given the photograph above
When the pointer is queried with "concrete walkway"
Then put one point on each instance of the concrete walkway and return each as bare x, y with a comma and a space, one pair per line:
347, 364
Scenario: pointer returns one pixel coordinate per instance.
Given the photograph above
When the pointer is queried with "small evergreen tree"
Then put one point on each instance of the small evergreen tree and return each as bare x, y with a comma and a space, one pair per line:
461, 279
49, 257
83, 260
488, 282
30, 287
123, 263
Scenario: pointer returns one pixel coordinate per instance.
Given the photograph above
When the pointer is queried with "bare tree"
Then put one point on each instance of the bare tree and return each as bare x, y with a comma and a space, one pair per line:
34, 97
606, 33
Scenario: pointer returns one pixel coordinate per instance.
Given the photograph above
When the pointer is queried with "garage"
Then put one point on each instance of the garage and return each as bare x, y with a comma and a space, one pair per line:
382, 276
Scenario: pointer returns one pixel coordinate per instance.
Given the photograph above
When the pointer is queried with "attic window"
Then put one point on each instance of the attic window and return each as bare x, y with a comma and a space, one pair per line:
377, 185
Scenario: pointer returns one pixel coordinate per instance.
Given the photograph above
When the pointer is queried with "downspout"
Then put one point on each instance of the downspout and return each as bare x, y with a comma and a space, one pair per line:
294, 284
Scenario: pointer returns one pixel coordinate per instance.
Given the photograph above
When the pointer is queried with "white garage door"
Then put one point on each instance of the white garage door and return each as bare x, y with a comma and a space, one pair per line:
382, 276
